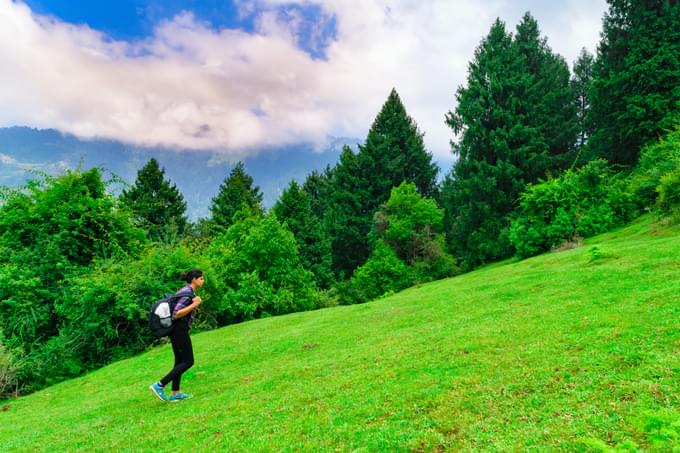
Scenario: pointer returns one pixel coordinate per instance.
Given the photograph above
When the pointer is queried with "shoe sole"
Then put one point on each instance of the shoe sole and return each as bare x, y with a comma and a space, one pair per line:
156, 394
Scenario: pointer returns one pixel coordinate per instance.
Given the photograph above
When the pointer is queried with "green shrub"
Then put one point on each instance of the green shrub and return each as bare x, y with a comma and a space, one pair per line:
411, 225
259, 267
656, 161
668, 201
382, 273
51, 232
580, 203
103, 313
10, 363
435, 263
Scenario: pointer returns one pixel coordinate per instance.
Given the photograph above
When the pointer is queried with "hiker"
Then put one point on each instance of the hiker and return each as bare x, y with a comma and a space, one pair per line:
183, 315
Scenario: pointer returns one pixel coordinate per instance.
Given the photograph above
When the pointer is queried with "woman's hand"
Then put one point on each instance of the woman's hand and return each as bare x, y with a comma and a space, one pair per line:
196, 301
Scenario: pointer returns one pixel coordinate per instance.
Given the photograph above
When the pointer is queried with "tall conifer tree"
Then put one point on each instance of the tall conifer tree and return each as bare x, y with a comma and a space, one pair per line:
235, 191
516, 121
295, 209
394, 152
156, 202
636, 82
581, 81
548, 101
348, 216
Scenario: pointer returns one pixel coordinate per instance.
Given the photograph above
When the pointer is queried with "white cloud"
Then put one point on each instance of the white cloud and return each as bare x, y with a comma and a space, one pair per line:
190, 86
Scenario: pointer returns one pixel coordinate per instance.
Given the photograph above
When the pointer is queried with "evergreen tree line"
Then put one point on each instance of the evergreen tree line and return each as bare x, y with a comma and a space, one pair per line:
545, 156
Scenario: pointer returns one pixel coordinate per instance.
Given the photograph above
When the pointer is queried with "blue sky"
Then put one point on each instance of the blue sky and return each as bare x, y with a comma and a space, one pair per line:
241, 76
132, 19
137, 19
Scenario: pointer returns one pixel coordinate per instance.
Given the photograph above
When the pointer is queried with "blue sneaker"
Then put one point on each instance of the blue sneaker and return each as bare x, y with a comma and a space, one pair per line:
157, 390
180, 396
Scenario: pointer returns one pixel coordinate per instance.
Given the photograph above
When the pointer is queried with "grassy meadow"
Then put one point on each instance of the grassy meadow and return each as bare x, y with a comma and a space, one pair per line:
570, 351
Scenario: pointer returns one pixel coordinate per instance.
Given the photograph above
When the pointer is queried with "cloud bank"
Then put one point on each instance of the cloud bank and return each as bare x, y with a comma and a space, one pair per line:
190, 86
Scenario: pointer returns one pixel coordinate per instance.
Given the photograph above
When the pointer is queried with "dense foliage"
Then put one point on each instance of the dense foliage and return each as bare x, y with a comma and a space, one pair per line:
581, 82
516, 119
594, 199
294, 208
636, 80
257, 262
50, 233
657, 160
409, 248
577, 205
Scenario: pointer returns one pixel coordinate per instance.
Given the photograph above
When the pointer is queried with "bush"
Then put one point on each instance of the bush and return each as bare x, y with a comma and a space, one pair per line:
580, 203
259, 267
383, 273
656, 160
52, 231
103, 313
411, 226
435, 263
668, 201
9, 366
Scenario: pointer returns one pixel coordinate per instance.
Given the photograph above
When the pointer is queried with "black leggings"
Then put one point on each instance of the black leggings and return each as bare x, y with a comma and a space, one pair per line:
184, 354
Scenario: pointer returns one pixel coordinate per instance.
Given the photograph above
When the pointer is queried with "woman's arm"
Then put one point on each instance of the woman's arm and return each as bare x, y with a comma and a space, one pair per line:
195, 302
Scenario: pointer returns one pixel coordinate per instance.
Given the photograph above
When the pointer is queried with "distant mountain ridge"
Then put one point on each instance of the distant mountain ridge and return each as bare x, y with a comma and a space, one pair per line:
197, 174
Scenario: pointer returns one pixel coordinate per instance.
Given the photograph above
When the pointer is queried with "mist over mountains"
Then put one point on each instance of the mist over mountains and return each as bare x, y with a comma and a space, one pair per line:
197, 174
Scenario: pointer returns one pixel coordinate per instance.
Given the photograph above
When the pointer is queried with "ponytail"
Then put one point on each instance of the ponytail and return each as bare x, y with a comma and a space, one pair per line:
191, 274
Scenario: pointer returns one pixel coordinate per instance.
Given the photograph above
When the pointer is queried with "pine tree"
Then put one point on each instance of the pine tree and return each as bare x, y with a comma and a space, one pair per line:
235, 191
581, 82
349, 214
636, 81
318, 188
516, 122
294, 208
394, 152
157, 204
549, 97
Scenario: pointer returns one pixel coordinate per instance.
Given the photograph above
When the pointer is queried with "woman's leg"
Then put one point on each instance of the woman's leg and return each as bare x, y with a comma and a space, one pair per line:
184, 356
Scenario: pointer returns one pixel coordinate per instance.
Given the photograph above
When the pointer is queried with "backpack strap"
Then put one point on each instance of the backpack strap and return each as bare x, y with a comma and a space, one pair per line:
174, 299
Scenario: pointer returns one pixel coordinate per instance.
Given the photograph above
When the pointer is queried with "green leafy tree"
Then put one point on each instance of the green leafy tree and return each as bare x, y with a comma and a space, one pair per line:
157, 204
257, 261
412, 226
383, 273
51, 232
295, 210
235, 191
395, 152
636, 78
318, 187
348, 214
516, 121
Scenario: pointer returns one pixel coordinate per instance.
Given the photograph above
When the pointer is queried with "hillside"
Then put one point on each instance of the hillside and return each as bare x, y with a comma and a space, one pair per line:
565, 351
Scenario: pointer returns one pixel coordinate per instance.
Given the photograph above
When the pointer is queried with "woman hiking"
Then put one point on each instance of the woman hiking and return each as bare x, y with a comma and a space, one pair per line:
183, 314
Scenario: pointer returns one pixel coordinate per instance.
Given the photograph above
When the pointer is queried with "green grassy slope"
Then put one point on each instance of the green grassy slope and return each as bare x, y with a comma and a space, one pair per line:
557, 352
